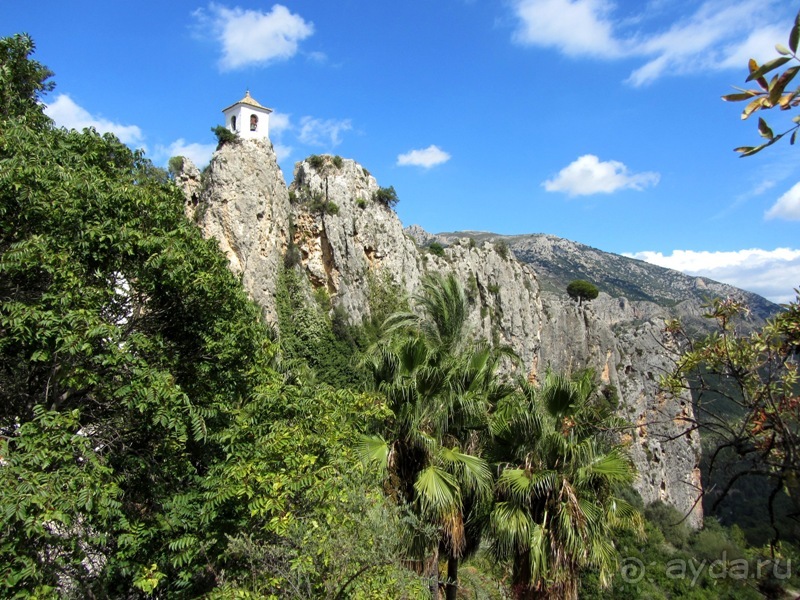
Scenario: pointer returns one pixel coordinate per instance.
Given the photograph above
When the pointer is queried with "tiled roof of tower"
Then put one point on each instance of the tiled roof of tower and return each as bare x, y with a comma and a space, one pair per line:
248, 99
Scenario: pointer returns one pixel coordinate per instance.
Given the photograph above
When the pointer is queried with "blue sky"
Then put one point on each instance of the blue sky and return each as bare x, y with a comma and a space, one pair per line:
598, 121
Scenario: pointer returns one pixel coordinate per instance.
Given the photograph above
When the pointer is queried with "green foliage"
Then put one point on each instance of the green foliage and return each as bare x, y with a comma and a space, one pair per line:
22, 80
501, 247
125, 340
308, 337
386, 197
175, 165
714, 563
224, 136
361, 203
318, 204
317, 162
557, 507
436, 248
670, 521
337, 161
438, 387
771, 94
582, 291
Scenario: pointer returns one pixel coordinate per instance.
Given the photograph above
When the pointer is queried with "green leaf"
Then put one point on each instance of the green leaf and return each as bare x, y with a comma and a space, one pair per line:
764, 130
794, 35
437, 491
781, 49
373, 449
771, 65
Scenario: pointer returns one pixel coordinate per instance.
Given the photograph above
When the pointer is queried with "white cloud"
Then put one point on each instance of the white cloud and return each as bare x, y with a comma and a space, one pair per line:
66, 113
576, 27
787, 207
251, 37
199, 154
279, 122
282, 151
424, 157
588, 175
769, 273
711, 38
718, 35
319, 132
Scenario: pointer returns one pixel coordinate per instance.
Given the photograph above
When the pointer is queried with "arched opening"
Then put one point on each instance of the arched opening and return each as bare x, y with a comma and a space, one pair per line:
253, 122
233, 123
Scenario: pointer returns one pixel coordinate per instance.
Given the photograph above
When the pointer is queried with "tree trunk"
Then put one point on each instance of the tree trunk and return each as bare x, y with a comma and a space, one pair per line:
432, 573
451, 588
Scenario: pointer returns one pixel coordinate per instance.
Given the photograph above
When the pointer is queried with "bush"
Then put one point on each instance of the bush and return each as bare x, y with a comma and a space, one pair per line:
319, 205
501, 246
338, 162
175, 165
582, 291
436, 248
386, 196
670, 522
316, 162
361, 203
224, 136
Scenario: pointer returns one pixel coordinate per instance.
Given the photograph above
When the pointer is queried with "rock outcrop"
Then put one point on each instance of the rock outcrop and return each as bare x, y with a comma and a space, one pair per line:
329, 223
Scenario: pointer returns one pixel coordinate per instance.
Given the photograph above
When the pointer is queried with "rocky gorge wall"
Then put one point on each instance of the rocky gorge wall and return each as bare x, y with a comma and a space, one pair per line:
343, 239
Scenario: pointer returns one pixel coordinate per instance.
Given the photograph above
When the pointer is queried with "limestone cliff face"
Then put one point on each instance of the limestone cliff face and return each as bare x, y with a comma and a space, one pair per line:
328, 223
243, 203
344, 236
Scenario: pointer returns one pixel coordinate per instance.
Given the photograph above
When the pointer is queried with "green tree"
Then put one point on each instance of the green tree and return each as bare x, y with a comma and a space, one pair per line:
771, 94
582, 291
386, 196
439, 388
22, 81
557, 506
125, 344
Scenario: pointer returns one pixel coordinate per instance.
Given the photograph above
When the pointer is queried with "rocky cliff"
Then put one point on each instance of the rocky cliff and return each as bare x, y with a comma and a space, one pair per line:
328, 224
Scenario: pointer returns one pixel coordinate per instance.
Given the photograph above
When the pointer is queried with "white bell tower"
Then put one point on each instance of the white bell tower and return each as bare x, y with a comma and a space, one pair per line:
248, 118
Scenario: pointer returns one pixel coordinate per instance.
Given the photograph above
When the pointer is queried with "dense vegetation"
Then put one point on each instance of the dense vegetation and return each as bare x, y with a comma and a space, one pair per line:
159, 439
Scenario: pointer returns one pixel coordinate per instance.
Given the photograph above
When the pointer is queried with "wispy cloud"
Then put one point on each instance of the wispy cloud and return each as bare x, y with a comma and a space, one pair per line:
787, 207
252, 37
424, 157
67, 113
589, 175
199, 154
718, 35
769, 273
323, 132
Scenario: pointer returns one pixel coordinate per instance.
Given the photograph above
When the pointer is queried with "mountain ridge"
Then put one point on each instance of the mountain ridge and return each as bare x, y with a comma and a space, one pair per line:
558, 261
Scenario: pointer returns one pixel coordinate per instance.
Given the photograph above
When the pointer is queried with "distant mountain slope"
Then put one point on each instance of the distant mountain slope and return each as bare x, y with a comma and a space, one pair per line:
558, 261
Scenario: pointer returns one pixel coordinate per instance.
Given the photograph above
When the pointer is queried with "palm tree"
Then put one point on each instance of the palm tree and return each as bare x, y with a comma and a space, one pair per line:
556, 507
438, 386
